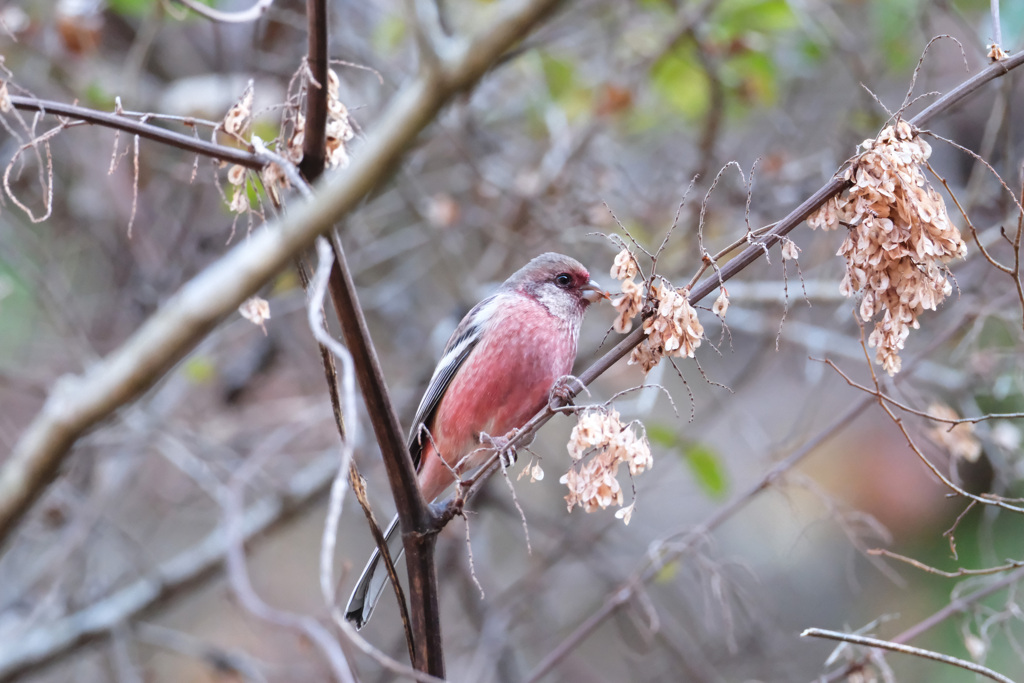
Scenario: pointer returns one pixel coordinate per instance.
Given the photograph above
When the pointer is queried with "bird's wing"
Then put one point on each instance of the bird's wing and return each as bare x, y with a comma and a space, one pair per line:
462, 342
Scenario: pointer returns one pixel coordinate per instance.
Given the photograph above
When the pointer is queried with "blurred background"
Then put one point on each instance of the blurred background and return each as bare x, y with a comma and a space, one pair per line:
596, 124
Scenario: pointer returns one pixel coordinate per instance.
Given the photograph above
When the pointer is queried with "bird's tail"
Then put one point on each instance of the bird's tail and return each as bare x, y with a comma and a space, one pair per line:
373, 579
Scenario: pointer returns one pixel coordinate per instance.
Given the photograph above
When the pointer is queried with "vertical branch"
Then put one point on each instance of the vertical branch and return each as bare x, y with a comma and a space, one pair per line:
417, 521
314, 151
78, 403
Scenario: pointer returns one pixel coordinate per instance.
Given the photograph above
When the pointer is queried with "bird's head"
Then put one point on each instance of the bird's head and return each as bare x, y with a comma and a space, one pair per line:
558, 282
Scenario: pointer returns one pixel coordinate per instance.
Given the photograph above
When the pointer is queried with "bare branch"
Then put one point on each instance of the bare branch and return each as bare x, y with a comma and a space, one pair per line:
905, 649
675, 546
48, 643
956, 606
314, 151
752, 253
77, 403
238, 575
1012, 564
318, 289
898, 421
662, 553
144, 130
253, 13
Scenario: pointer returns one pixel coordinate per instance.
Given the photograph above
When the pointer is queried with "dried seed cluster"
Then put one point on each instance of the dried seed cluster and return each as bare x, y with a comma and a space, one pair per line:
5, 99
959, 440
339, 129
593, 483
721, 303
239, 117
237, 123
256, 310
996, 53
628, 304
673, 330
240, 199
900, 238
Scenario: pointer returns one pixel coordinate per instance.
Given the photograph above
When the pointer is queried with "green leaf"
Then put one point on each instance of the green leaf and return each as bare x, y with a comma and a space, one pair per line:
667, 573
96, 96
734, 18
199, 370
813, 51
707, 469
662, 435
681, 81
665, 6
17, 312
131, 8
560, 76
894, 21
703, 462
752, 76
389, 33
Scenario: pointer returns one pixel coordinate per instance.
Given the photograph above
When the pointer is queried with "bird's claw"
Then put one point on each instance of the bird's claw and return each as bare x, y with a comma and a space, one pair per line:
563, 391
508, 457
507, 454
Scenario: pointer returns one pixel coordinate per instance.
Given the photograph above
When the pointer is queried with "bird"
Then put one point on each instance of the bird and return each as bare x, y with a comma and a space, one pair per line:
496, 372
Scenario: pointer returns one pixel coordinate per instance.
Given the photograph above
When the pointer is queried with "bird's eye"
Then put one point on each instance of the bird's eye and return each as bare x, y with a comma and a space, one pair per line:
563, 280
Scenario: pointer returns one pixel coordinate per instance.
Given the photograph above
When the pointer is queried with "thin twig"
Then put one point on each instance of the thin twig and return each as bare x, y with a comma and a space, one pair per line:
898, 421
881, 395
1012, 564
675, 546
981, 160
663, 553
956, 606
145, 130
959, 605
905, 649
244, 16
970, 224
755, 251
77, 403
238, 575
318, 289
1016, 253
48, 643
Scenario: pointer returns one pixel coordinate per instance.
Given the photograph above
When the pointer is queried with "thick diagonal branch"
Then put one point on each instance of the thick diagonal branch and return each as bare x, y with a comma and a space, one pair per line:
77, 403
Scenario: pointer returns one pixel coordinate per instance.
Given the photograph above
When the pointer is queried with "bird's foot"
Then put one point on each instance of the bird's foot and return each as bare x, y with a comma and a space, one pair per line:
564, 390
501, 444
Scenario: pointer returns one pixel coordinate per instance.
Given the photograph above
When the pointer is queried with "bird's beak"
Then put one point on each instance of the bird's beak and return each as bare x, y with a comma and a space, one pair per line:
593, 293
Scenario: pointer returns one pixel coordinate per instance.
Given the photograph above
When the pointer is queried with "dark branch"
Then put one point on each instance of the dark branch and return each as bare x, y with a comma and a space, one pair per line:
143, 130
418, 526
314, 151
78, 403
47, 643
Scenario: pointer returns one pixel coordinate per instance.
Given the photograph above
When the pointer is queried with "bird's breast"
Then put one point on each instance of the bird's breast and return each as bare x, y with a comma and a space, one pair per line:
507, 378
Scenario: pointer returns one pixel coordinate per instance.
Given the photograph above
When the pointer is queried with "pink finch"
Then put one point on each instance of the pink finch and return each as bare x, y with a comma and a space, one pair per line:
496, 372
